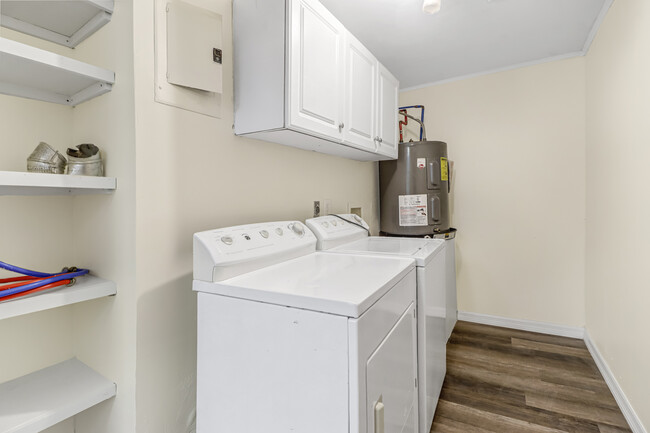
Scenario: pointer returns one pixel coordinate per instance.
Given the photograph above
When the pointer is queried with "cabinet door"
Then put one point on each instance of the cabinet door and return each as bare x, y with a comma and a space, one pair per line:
316, 70
360, 95
388, 105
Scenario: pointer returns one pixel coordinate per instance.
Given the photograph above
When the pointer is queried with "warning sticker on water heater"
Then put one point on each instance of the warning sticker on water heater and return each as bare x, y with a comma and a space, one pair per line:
413, 210
444, 169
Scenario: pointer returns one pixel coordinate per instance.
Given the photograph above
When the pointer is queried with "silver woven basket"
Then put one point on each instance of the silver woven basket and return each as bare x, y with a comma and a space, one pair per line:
44, 159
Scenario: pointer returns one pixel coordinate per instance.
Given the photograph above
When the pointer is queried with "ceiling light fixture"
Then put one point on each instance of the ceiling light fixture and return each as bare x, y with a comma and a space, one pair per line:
431, 6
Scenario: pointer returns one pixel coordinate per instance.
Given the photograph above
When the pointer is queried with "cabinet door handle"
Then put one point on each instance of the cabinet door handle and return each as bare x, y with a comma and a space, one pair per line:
341, 126
379, 139
379, 417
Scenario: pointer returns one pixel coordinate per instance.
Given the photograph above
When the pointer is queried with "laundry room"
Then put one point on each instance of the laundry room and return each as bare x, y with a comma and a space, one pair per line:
545, 149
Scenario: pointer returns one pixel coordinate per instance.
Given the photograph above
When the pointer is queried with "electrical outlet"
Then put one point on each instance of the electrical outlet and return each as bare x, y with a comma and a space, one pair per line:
316, 209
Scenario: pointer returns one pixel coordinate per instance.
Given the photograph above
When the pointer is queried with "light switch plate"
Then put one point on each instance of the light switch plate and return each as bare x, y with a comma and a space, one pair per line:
193, 38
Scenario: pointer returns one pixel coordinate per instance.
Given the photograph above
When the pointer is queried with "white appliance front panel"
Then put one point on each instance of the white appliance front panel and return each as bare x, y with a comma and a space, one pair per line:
226, 252
366, 334
451, 295
267, 368
432, 339
391, 381
333, 283
433, 315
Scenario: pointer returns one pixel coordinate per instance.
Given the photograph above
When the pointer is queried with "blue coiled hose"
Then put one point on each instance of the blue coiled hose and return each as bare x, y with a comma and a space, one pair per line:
46, 278
23, 271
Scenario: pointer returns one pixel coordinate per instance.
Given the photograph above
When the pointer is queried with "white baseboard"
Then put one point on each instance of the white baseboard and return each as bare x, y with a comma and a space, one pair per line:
523, 325
623, 403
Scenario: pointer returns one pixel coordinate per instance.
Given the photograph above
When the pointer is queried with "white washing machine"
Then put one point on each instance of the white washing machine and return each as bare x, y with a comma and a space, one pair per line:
294, 340
333, 232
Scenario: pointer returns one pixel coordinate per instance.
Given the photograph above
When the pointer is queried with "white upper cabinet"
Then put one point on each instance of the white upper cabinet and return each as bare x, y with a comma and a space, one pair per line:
387, 129
303, 80
316, 70
361, 96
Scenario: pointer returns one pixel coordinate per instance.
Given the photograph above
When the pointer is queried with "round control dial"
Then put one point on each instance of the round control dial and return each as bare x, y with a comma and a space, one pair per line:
297, 228
264, 234
226, 240
279, 231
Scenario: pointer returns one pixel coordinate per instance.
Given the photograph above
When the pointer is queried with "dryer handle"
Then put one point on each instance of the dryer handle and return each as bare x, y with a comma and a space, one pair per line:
379, 416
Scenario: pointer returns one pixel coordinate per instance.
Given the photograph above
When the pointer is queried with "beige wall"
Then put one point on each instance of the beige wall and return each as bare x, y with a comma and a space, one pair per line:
193, 174
618, 203
517, 141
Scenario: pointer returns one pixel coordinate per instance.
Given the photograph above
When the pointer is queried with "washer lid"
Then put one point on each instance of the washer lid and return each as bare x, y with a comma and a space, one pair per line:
341, 284
422, 250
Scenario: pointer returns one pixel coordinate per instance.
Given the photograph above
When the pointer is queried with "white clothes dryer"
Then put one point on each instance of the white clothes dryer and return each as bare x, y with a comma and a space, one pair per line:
294, 340
430, 257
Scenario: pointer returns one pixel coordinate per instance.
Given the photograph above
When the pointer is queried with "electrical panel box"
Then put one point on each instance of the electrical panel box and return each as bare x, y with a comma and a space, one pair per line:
194, 56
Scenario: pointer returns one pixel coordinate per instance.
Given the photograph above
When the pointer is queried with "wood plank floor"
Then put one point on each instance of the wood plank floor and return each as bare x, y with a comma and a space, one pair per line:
504, 380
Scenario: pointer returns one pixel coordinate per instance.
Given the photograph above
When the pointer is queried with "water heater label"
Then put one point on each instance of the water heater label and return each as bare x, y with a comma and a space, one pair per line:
413, 210
444, 169
421, 162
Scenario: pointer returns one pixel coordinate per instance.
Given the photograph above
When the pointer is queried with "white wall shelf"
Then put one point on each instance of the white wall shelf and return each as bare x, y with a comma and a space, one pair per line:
23, 183
33, 73
46, 397
64, 22
85, 289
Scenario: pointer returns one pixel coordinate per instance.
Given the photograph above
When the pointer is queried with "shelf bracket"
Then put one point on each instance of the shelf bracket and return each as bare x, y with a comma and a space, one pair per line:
89, 92
98, 21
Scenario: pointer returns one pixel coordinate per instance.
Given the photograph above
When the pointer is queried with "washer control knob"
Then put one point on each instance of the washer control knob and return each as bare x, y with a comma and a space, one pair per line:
264, 234
297, 228
226, 240
325, 224
279, 231
357, 218
342, 222
334, 223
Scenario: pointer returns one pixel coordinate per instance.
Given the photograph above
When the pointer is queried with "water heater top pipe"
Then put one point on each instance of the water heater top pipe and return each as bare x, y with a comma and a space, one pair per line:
423, 131
422, 134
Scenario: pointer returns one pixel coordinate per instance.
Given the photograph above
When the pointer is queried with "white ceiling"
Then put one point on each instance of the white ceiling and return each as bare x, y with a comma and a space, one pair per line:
469, 37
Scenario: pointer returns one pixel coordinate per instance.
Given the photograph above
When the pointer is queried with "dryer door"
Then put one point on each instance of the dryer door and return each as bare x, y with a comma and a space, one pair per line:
391, 390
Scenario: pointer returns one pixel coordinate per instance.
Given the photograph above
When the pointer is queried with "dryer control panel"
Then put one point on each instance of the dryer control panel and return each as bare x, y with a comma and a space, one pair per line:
335, 230
223, 253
